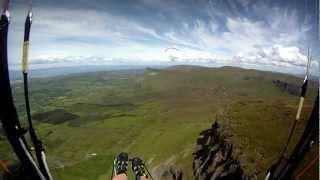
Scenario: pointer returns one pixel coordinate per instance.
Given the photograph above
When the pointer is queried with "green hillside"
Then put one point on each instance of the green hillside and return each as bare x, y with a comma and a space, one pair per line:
86, 119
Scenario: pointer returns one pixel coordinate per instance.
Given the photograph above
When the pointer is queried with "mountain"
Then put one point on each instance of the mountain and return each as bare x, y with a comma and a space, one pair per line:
158, 114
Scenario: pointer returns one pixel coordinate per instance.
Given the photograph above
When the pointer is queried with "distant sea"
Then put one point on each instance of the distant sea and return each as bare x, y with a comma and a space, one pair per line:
44, 72
58, 71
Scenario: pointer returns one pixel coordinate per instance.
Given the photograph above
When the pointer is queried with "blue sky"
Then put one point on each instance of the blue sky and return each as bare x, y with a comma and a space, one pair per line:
262, 34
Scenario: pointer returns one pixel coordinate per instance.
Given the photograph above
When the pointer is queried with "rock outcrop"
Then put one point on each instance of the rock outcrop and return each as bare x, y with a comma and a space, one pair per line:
172, 174
215, 157
287, 87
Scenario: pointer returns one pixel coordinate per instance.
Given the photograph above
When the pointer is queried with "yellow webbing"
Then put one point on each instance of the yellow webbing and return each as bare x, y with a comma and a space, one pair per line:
299, 108
25, 56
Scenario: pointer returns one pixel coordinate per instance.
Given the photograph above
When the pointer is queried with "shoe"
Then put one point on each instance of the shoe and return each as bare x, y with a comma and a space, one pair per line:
120, 163
138, 167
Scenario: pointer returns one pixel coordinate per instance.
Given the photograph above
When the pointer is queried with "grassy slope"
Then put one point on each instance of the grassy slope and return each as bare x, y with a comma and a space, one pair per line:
158, 115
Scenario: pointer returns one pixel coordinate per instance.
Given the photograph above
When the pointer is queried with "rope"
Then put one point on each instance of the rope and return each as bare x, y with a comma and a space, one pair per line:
30, 5
5, 6
39, 150
112, 173
4, 167
148, 171
309, 135
8, 114
301, 102
306, 168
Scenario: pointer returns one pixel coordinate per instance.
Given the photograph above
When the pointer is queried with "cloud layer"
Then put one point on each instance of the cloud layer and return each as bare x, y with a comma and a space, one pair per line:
217, 32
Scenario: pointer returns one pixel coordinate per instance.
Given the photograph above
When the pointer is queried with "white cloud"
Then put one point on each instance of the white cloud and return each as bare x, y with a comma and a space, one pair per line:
68, 35
277, 56
87, 23
314, 69
251, 42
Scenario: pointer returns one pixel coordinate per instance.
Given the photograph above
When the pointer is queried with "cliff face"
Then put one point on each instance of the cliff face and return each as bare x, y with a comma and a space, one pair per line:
169, 173
287, 87
215, 157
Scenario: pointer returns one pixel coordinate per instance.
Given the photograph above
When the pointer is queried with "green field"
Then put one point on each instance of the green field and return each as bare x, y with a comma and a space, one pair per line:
86, 119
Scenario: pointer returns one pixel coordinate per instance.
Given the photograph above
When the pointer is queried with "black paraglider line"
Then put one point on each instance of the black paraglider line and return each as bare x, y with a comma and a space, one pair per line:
148, 171
302, 96
15, 132
39, 150
273, 168
304, 144
8, 115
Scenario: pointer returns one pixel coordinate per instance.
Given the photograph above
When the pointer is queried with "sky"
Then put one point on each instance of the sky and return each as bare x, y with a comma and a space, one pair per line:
261, 34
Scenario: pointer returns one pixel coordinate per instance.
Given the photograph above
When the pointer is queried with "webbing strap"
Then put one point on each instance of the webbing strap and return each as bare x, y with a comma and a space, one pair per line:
8, 113
304, 88
39, 150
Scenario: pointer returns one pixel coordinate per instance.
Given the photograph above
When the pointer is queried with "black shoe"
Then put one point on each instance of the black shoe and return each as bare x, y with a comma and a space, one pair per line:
120, 163
138, 167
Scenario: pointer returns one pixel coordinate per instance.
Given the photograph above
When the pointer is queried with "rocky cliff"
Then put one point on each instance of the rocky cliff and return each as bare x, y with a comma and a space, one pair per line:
216, 157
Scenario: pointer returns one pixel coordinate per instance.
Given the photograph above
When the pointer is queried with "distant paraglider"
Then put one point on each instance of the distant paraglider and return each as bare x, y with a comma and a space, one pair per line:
173, 53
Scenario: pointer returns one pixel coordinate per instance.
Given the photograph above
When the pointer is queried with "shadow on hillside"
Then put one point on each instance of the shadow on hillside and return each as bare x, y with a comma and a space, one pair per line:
216, 157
